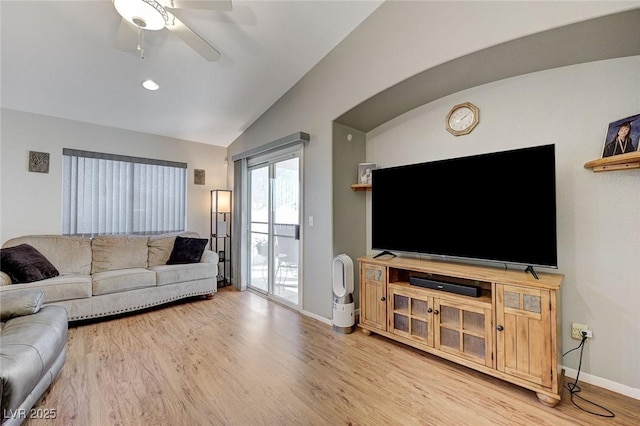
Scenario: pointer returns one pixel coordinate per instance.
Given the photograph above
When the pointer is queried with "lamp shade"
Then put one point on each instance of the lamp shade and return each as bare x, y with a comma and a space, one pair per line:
221, 201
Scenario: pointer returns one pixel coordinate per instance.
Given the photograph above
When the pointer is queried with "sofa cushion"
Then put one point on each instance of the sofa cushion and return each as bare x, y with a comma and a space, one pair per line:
24, 264
18, 303
56, 289
187, 250
30, 346
70, 255
170, 274
160, 246
112, 252
122, 280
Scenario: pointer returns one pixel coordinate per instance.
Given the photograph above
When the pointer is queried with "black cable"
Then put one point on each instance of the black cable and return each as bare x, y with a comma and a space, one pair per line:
574, 388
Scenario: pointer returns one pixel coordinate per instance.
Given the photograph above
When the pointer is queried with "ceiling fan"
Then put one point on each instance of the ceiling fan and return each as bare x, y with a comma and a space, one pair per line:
152, 15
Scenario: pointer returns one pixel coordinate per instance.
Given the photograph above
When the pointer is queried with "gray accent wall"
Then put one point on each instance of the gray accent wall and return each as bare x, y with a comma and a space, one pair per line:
349, 223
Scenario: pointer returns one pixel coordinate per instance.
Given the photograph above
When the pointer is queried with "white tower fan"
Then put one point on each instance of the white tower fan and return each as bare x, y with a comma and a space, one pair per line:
343, 306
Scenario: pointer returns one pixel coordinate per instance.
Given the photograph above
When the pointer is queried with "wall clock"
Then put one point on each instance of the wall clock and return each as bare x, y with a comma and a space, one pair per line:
462, 119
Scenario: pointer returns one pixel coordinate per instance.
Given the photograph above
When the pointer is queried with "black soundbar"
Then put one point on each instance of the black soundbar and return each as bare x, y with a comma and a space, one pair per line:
465, 290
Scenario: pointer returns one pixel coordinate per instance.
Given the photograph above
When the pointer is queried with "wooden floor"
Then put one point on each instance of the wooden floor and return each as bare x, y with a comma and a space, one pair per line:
240, 360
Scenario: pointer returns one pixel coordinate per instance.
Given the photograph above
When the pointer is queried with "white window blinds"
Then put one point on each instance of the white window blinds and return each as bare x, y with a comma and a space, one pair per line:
115, 194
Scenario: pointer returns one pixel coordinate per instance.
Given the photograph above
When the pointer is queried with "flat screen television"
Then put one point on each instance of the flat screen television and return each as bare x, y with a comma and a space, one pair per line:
497, 207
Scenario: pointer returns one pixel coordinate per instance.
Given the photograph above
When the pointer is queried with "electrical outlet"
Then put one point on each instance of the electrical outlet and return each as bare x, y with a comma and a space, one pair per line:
577, 329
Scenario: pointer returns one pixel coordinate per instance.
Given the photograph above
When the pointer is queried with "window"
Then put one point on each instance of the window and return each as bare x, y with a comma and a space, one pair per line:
116, 194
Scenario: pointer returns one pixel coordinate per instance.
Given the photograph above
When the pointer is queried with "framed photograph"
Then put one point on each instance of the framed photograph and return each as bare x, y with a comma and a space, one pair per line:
365, 172
622, 136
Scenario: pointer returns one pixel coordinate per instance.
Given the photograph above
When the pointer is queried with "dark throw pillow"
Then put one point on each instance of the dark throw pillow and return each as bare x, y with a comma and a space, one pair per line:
25, 264
187, 250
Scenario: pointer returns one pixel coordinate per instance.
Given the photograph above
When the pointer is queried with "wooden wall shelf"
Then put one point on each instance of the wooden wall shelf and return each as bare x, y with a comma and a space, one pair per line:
361, 187
630, 160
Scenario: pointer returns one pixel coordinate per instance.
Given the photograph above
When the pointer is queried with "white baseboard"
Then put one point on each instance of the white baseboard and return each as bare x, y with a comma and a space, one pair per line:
603, 383
323, 319
317, 317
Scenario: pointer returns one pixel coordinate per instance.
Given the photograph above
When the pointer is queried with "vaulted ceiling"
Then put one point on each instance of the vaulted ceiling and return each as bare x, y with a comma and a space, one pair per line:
59, 59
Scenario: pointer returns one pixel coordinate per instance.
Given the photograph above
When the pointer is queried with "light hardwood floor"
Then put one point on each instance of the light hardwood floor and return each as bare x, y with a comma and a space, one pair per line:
239, 359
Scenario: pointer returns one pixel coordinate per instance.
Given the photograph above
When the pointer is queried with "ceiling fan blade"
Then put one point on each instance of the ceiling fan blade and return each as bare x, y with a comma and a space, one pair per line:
127, 36
196, 42
223, 5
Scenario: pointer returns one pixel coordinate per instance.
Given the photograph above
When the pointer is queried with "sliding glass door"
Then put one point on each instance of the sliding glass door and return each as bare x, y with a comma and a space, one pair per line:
274, 227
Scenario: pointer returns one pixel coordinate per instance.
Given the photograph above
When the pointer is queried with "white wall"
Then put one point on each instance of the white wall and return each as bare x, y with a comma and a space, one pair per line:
32, 202
598, 214
401, 39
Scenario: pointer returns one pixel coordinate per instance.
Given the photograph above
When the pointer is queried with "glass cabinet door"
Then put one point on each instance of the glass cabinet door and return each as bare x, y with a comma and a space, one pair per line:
463, 330
411, 316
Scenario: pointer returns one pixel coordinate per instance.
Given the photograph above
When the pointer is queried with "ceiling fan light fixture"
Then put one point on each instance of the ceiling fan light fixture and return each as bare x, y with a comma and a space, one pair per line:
150, 85
145, 14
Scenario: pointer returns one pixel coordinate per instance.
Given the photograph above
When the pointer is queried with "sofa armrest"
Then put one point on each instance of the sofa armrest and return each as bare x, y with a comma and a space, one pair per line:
4, 279
209, 256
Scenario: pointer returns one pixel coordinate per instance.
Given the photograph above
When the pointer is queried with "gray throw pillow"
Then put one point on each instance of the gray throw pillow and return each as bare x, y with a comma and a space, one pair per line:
19, 303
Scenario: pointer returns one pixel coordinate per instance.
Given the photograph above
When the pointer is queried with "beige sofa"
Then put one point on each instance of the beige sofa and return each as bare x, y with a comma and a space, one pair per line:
108, 275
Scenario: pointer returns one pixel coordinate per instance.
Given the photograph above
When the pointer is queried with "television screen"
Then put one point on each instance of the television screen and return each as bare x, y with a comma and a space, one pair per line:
497, 207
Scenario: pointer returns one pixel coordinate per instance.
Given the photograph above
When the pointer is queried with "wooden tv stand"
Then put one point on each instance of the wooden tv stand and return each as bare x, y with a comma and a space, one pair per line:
512, 331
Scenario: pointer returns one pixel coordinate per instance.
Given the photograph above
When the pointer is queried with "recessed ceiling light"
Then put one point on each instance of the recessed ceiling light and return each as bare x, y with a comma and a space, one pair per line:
150, 85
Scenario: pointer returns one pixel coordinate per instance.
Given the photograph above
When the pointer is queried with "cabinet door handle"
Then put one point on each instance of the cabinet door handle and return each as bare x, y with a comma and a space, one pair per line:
499, 328
429, 310
382, 299
436, 312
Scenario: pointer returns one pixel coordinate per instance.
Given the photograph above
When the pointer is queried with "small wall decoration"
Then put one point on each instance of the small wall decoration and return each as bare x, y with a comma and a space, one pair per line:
38, 162
365, 172
622, 136
198, 176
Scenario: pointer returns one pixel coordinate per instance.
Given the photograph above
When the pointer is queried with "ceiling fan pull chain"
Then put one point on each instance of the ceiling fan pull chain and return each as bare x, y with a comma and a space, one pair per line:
140, 47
